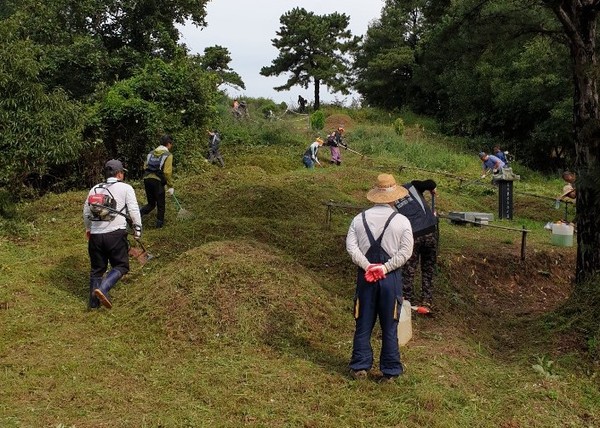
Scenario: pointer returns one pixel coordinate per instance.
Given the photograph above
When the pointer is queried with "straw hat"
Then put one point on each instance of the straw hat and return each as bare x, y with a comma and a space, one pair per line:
386, 190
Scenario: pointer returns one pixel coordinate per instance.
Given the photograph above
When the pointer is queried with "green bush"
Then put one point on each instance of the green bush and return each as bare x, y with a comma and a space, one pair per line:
160, 98
268, 109
41, 127
399, 126
317, 120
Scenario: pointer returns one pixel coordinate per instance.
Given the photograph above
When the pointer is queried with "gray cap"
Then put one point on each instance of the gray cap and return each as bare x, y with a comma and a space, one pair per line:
114, 165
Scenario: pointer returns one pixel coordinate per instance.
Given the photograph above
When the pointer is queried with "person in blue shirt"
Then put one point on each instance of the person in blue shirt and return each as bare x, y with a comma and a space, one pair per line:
500, 154
490, 162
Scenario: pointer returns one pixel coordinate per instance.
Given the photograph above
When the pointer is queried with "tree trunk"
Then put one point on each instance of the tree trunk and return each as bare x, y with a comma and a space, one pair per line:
317, 92
579, 22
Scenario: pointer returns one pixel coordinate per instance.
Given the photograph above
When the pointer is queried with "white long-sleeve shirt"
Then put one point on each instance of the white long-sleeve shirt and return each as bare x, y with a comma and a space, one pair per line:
125, 197
397, 240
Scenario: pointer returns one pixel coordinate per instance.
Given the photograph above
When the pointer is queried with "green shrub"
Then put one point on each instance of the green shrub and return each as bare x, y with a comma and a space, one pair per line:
317, 120
160, 98
269, 109
399, 126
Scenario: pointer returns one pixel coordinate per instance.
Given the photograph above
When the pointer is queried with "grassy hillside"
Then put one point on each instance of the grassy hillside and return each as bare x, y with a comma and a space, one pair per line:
243, 317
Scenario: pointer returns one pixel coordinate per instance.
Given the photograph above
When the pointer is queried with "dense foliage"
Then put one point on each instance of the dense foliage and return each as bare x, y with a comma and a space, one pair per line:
160, 98
495, 69
41, 127
75, 74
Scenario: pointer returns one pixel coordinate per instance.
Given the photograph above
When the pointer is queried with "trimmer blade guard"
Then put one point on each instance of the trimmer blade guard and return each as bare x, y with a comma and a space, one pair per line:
140, 254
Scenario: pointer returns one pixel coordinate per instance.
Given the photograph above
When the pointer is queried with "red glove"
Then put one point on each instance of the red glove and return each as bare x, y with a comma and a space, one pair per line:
87, 235
379, 272
375, 272
368, 274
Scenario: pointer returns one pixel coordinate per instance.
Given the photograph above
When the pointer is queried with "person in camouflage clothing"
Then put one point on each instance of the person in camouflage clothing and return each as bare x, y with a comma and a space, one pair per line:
424, 225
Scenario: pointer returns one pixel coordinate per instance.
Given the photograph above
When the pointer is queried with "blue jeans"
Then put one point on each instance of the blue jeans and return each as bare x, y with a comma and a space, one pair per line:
384, 299
308, 162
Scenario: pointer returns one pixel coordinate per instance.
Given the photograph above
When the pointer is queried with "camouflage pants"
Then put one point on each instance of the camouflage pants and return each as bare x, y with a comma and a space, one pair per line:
425, 250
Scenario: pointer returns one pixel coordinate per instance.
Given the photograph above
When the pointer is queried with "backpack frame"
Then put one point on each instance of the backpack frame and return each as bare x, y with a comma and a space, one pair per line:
103, 206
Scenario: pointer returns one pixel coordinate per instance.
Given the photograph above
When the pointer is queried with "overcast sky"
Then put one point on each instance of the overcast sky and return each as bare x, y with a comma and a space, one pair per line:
246, 28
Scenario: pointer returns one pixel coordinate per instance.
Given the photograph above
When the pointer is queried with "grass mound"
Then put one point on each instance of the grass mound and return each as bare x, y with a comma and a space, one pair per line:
238, 291
333, 121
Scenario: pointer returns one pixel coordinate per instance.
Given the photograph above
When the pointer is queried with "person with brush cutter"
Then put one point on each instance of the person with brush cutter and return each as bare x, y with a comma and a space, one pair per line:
108, 209
379, 241
490, 163
310, 155
158, 172
214, 143
335, 141
423, 222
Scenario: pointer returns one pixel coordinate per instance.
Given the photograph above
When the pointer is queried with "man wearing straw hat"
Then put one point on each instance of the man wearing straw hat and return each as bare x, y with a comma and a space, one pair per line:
380, 241
568, 190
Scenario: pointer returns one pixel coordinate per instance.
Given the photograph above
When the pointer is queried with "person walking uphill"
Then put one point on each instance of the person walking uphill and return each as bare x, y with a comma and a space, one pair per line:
379, 242
423, 222
214, 142
109, 207
158, 172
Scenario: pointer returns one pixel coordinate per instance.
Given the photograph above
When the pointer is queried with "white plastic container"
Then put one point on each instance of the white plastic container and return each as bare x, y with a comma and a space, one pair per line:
562, 235
404, 324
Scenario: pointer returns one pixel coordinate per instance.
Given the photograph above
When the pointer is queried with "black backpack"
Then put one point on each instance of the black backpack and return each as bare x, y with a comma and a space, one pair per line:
155, 164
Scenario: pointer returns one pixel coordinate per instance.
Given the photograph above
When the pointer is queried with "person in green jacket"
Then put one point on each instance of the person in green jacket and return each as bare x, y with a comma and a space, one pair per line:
158, 173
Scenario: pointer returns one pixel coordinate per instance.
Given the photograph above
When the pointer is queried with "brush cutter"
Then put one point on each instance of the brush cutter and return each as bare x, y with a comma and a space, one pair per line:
345, 146
140, 253
182, 213
437, 225
477, 179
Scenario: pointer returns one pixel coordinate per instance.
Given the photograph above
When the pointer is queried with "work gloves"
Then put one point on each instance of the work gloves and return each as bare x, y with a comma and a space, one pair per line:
170, 191
137, 232
375, 272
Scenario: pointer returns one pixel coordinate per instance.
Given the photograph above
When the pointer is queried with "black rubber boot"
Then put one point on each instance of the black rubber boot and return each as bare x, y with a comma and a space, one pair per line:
108, 282
95, 282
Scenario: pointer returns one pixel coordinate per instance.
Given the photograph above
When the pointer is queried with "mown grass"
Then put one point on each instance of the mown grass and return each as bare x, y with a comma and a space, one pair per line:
243, 318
